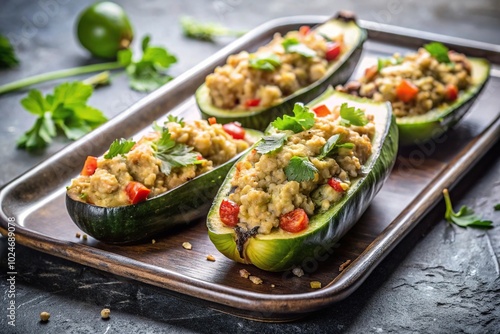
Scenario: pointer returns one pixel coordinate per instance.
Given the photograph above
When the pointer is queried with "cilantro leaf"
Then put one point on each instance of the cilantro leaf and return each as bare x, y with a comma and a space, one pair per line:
175, 119
302, 120
300, 169
352, 116
272, 143
8, 58
438, 51
119, 147
65, 110
268, 62
206, 31
292, 45
497, 207
332, 144
173, 154
465, 217
148, 73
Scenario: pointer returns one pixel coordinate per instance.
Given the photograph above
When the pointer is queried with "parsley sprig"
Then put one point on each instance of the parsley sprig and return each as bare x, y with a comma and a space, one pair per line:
438, 51
292, 45
65, 110
149, 72
175, 119
266, 62
173, 154
300, 169
272, 143
352, 116
332, 145
465, 217
119, 147
8, 58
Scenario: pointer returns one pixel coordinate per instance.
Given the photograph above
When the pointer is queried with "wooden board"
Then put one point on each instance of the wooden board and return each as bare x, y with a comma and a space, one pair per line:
36, 199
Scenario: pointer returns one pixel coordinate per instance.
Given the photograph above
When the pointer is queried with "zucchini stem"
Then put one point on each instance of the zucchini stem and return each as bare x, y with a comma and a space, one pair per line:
449, 207
19, 84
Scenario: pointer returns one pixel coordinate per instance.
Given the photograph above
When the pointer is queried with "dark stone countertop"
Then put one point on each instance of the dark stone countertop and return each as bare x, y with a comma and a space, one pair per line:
439, 279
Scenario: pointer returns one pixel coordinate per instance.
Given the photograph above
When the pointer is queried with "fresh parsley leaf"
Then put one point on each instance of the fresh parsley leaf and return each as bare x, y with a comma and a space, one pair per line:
384, 62
438, 51
206, 31
302, 120
497, 207
268, 62
352, 116
331, 145
8, 58
119, 147
300, 169
465, 217
173, 154
292, 45
175, 119
272, 143
65, 110
148, 73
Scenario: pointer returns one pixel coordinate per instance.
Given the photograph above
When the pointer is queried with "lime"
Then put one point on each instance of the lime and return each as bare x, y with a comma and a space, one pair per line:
104, 28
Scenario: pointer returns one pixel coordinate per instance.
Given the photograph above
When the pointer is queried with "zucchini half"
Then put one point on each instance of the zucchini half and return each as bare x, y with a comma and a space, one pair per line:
338, 72
176, 207
280, 250
421, 128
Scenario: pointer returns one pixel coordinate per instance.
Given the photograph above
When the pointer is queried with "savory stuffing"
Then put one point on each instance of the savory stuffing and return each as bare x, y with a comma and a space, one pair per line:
161, 160
276, 70
417, 82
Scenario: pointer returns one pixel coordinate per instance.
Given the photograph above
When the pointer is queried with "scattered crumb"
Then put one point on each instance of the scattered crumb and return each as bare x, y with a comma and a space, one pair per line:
315, 285
84, 237
153, 241
77, 235
273, 286
105, 313
187, 245
297, 271
344, 265
255, 279
210, 258
244, 273
44, 316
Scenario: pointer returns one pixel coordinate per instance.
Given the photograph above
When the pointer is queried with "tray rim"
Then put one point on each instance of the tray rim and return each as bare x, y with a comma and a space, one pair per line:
275, 305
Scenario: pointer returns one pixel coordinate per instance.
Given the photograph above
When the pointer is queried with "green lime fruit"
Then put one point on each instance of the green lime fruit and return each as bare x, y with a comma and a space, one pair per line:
104, 28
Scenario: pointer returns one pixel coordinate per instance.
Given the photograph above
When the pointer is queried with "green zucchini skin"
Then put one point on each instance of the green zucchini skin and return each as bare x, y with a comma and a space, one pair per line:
418, 129
339, 72
282, 251
133, 223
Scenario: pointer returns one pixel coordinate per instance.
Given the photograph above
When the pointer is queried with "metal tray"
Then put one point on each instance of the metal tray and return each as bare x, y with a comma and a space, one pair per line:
34, 202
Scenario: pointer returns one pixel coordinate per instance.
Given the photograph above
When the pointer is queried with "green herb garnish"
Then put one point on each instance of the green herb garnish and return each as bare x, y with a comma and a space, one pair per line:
8, 58
206, 31
332, 145
300, 169
148, 73
302, 120
384, 62
175, 119
438, 51
65, 110
268, 62
465, 217
292, 45
173, 154
352, 116
119, 147
272, 143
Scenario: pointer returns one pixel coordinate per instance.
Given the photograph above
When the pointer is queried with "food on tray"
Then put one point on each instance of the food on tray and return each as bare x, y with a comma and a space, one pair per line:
164, 179
430, 90
255, 88
305, 183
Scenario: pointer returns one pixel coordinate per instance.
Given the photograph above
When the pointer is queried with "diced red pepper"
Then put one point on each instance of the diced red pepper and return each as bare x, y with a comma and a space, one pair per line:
371, 72
212, 120
137, 192
90, 166
252, 103
235, 130
321, 110
336, 184
304, 30
406, 91
228, 212
451, 92
333, 51
294, 221
200, 157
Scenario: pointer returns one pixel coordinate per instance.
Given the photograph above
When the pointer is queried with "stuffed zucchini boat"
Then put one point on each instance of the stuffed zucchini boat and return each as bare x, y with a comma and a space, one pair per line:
167, 178
255, 88
305, 183
430, 90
